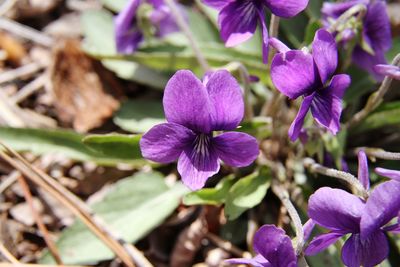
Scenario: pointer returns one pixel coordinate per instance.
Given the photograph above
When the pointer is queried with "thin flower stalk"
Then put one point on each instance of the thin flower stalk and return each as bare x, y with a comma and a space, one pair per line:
380, 153
314, 167
182, 24
375, 99
283, 195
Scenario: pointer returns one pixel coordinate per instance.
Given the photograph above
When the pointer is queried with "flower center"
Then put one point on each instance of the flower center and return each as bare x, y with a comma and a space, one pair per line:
202, 143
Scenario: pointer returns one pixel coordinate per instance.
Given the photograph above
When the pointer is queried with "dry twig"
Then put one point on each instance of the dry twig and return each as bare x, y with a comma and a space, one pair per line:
39, 222
126, 252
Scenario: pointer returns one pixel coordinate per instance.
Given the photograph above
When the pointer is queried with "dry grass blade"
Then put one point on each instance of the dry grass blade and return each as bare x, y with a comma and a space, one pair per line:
7, 254
126, 252
25, 70
26, 32
18, 264
39, 222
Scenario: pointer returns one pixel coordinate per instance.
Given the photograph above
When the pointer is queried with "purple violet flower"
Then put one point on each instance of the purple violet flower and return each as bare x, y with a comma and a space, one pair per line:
238, 19
343, 213
375, 31
128, 34
392, 174
388, 70
273, 247
194, 109
298, 72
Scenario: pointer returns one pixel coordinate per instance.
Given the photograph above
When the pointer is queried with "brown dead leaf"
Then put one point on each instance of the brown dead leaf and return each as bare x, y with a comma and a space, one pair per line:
80, 95
15, 51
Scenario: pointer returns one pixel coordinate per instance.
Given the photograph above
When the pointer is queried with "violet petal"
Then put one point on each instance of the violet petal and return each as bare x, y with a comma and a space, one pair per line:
367, 253
236, 149
325, 54
238, 22
275, 246
186, 102
363, 174
218, 4
297, 124
294, 73
321, 242
127, 35
392, 174
326, 106
336, 209
378, 30
388, 70
197, 163
286, 8
367, 61
382, 205
227, 105
264, 32
165, 142
257, 261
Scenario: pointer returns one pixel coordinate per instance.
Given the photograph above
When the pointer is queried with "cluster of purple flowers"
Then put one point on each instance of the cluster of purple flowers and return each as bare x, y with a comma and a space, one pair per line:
197, 111
128, 33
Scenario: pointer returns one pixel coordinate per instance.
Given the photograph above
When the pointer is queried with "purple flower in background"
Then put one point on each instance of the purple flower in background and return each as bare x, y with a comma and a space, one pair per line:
273, 247
300, 73
238, 19
388, 70
343, 213
194, 109
375, 35
128, 35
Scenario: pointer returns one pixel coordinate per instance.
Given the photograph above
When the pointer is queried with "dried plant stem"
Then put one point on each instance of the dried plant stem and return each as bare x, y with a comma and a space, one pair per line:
19, 264
28, 69
39, 222
7, 254
294, 215
314, 167
6, 6
273, 32
375, 99
228, 246
380, 153
182, 24
8, 181
301, 262
126, 252
29, 89
26, 32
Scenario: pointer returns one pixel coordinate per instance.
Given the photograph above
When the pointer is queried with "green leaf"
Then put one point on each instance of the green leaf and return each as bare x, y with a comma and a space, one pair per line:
312, 27
294, 29
139, 115
99, 36
134, 207
114, 5
203, 30
132, 71
69, 144
387, 114
210, 196
246, 193
99, 43
115, 145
